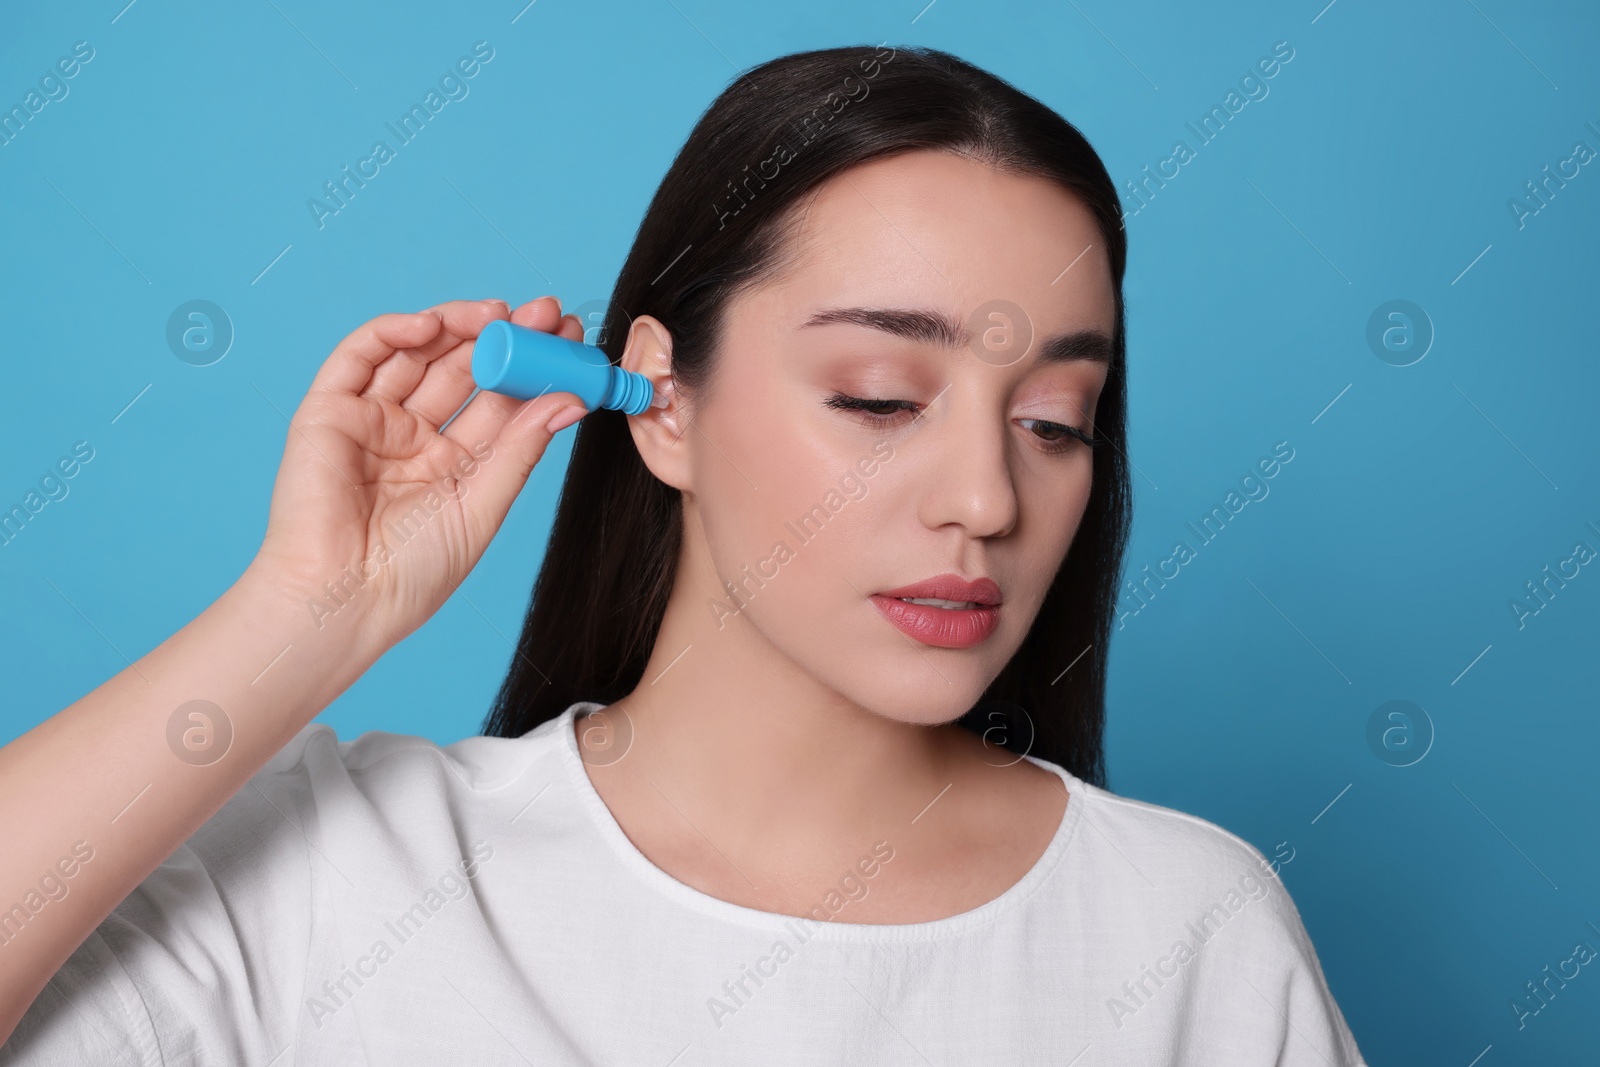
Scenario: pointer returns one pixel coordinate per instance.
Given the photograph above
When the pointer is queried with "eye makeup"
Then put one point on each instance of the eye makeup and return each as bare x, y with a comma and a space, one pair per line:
1054, 438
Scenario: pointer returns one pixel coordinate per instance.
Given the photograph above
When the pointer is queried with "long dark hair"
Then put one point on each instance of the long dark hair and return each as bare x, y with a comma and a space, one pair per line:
718, 225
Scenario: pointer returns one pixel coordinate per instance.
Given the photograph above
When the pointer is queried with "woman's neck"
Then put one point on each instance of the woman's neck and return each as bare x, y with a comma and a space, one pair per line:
741, 775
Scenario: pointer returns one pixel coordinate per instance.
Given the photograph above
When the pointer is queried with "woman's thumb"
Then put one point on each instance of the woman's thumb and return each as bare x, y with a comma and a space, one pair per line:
518, 448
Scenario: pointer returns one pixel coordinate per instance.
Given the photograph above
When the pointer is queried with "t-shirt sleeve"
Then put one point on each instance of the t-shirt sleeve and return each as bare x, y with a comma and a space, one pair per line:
1273, 983
1317, 1031
204, 961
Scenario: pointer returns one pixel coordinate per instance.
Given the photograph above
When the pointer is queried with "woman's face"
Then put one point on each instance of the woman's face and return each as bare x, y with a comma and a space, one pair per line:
918, 280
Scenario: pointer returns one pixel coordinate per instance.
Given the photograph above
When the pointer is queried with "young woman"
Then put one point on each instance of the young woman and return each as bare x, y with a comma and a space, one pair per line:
799, 758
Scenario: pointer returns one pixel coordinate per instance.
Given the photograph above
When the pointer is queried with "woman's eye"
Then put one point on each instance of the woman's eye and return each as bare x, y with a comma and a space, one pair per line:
1060, 438
869, 406
1054, 436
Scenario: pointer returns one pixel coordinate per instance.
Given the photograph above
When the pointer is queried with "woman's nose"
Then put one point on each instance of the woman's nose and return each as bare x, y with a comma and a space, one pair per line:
970, 481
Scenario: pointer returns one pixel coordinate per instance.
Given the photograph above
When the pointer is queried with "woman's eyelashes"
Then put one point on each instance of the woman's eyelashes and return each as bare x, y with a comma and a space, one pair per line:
1054, 437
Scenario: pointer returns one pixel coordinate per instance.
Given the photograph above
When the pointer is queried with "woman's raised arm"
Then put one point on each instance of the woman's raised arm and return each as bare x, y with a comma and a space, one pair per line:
376, 517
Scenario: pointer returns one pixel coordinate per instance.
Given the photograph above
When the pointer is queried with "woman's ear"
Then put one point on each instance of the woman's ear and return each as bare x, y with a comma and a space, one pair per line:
658, 432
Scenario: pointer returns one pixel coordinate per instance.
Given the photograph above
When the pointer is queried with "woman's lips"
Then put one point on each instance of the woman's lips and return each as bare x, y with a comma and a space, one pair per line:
937, 626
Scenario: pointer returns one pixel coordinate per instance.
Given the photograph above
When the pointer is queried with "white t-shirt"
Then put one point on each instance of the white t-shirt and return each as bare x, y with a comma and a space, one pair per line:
390, 901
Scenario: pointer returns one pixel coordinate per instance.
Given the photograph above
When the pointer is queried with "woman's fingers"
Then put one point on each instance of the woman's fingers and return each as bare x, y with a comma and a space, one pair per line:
518, 446
571, 328
349, 368
397, 378
483, 418
423, 362
518, 432
435, 389
540, 314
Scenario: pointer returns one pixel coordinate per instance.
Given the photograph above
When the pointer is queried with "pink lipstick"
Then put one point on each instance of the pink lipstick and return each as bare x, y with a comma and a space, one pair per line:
959, 614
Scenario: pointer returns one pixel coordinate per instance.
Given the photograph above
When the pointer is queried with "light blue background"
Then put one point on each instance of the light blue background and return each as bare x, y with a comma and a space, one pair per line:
1380, 567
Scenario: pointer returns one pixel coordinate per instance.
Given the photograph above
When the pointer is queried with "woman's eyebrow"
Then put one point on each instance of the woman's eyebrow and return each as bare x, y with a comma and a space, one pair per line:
935, 327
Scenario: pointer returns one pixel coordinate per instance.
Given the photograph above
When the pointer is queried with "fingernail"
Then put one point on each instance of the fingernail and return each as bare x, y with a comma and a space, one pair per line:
566, 417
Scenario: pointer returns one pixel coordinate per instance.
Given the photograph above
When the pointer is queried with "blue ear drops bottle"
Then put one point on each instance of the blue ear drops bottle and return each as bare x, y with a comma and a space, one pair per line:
524, 363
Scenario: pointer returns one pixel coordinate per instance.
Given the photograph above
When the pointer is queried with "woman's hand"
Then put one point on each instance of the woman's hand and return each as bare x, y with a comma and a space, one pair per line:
376, 518
376, 515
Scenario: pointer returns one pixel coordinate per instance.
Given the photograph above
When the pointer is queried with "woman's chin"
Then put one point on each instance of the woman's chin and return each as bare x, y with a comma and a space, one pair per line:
929, 705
